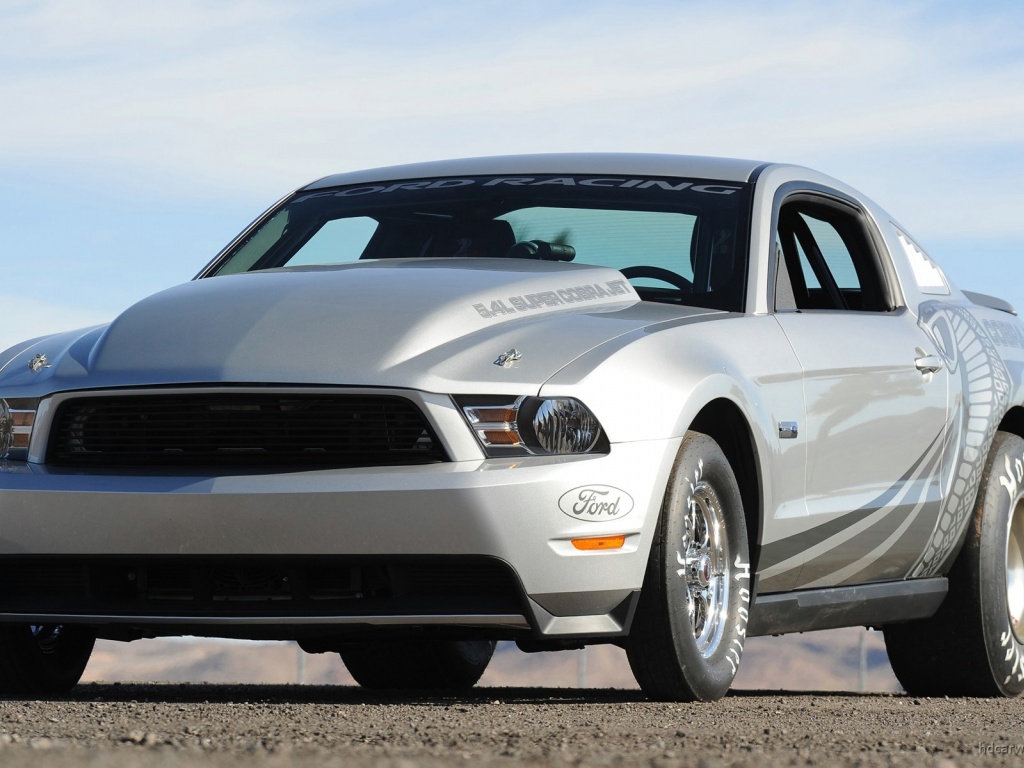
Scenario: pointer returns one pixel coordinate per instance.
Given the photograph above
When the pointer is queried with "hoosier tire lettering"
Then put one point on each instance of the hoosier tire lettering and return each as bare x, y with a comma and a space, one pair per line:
687, 638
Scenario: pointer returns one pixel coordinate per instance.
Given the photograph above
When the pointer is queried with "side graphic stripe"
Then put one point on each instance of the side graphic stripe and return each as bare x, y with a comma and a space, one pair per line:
827, 557
778, 553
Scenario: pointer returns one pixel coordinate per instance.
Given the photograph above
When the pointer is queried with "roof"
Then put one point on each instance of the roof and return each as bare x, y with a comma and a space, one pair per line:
684, 166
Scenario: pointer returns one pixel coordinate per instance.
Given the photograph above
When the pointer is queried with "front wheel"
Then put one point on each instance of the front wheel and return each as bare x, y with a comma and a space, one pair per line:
974, 645
43, 658
687, 637
450, 664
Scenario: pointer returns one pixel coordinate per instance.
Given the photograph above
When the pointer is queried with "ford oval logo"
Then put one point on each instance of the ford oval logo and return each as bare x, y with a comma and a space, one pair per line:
596, 503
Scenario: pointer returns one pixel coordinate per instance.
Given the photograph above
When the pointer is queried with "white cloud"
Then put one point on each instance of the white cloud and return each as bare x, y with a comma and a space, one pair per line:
244, 100
236, 94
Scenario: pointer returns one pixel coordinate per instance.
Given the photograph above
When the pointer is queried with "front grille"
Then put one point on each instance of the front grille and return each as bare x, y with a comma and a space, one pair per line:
268, 586
243, 430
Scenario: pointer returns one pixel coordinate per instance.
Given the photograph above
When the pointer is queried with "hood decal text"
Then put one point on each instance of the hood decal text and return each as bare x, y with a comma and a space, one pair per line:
514, 304
673, 185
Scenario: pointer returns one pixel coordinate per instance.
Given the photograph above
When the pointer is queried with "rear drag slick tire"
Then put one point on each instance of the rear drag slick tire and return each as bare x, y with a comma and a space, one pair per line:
974, 644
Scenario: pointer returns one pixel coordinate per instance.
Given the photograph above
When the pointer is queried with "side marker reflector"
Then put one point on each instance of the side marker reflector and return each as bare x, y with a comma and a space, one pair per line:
600, 542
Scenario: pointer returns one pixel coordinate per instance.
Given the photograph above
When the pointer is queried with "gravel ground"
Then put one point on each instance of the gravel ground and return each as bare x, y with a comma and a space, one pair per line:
174, 725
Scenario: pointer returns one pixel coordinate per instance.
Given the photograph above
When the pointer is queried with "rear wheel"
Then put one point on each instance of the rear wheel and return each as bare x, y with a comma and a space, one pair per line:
687, 637
450, 664
43, 658
974, 645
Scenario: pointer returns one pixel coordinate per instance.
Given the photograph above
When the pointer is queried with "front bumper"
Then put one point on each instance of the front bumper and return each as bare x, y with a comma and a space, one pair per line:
503, 510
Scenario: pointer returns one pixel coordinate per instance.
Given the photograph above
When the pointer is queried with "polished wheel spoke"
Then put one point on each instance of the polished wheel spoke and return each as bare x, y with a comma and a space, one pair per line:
702, 562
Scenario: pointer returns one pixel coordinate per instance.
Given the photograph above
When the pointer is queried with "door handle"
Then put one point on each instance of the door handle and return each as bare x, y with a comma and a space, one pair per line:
928, 363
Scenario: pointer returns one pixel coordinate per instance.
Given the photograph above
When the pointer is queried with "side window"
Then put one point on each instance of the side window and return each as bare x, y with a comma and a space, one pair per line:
824, 248
834, 252
810, 278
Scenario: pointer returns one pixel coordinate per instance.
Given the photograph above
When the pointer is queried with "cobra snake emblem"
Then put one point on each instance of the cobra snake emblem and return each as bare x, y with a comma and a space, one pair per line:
981, 401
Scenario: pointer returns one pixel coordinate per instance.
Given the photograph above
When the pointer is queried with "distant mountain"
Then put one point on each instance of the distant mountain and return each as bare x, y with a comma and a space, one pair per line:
819, 661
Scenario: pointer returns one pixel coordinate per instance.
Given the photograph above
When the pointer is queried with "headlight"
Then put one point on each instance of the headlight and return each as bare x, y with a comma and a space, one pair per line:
509, 426
565, 425
16, 419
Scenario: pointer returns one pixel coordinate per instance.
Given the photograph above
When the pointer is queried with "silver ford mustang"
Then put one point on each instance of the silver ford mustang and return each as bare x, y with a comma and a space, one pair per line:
663, 402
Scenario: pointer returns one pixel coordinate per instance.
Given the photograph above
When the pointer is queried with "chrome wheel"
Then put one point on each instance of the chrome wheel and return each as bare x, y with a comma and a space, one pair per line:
686, 641
1015, 569
703, 560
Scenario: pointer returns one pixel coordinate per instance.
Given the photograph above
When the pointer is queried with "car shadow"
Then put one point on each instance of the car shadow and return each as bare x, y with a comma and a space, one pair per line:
193, 693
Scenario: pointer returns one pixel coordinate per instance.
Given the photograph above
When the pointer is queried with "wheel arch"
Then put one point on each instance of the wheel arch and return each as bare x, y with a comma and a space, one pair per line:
1013, 421
725, 423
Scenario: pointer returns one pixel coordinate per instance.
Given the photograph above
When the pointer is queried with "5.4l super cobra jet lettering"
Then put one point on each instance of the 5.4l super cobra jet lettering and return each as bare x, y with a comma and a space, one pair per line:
545, 299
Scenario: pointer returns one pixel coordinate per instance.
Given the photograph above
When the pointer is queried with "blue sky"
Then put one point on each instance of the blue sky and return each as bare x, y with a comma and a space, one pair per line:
137, 138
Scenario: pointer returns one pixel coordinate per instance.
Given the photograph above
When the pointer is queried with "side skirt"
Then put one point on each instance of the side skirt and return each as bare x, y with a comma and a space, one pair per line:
866, 605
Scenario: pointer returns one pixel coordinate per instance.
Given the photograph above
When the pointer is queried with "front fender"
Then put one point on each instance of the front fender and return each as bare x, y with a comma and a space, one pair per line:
650, 384
653, 384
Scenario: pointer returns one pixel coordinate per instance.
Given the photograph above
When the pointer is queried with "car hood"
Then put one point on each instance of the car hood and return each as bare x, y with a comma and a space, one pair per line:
434, 325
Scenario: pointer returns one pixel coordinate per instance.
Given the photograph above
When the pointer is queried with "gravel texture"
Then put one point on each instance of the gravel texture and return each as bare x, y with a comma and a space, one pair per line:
269, 725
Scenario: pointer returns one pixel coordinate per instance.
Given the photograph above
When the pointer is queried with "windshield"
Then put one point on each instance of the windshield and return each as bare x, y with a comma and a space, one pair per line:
678, 241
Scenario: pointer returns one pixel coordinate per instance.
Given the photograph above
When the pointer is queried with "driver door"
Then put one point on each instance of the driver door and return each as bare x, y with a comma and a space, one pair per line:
876, 399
